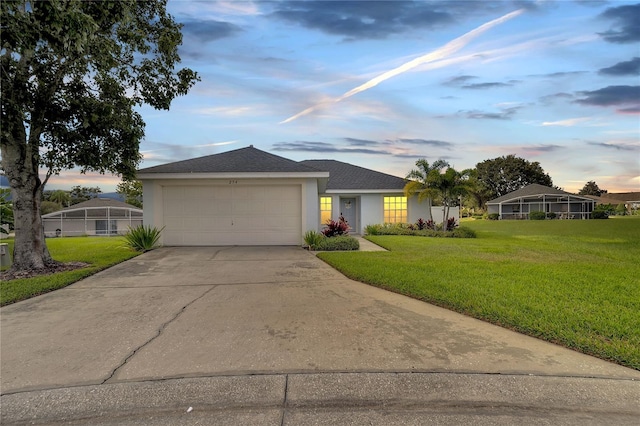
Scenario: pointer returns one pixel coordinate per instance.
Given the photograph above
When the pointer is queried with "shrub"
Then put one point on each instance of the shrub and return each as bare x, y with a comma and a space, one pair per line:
537, 216
451, 224
421, 224
372, 229
143, 238
621, 210
333, 228
431, 224
312, 239
342, 242
600, 214
464, 232
493, 216
551, 215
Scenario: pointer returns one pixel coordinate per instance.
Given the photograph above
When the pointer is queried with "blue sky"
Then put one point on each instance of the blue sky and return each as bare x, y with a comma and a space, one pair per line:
557, 82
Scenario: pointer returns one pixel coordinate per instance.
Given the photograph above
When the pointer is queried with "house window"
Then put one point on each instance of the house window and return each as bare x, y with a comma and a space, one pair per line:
325, 209
395, 209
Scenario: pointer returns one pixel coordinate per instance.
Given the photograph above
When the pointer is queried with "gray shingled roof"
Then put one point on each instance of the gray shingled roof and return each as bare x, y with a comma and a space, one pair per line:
244, 160
101, 202
349, 177
531, 191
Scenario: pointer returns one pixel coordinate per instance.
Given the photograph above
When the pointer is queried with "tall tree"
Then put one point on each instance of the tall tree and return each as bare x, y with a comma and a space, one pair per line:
79, 193
58, 196
591, 188
509, 173
72, 73
131, 190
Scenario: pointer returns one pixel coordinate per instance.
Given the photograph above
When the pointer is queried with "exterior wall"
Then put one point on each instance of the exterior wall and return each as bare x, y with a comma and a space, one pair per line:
371, 210
437, 213
310, 206
418, 210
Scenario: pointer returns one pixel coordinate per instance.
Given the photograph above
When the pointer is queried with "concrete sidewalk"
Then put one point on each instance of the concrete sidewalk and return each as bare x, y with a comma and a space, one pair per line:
272, 335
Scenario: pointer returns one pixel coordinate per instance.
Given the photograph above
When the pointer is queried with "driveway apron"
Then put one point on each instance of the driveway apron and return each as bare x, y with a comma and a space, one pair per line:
191, 312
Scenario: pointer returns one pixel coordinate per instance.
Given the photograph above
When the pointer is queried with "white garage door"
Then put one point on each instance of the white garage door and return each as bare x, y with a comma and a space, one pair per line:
232, 215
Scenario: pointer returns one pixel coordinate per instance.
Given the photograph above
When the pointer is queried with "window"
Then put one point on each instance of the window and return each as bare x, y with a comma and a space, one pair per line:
395, 209
325, 209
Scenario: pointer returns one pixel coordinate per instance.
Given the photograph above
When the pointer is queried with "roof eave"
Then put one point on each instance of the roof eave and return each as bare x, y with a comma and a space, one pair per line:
233, 175
364, 191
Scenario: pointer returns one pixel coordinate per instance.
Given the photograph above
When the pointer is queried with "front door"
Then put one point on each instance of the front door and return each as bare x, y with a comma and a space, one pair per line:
348, 211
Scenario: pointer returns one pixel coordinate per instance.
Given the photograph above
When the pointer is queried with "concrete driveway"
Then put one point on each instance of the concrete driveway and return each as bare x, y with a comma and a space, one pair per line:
272, 335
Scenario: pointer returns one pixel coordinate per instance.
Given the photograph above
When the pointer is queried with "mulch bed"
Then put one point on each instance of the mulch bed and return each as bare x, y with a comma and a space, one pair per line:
57, 267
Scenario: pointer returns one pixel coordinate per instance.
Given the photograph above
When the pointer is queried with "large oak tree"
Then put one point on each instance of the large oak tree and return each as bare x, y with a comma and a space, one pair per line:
509, 173
73, 73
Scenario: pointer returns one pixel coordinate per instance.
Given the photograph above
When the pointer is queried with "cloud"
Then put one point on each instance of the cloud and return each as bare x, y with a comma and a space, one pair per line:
559, 74
456, 81
438, 54
361, 142
364, 20
569, 122
161, 153
323, 147
428, 142
209, 30
631, 67
490, 85
617, 147
626, 22
612, 95
505, 114
630, 110
556, 96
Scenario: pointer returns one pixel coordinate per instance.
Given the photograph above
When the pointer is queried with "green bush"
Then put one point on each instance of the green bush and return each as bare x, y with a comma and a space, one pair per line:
464, 232
143, 238
341, 242
493, 216
407, 229
537, 216
312, 239
600, 214
372, 229
551, 215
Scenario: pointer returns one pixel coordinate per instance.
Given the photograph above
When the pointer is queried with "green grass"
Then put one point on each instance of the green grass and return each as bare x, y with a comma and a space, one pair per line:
99, 252
576, 283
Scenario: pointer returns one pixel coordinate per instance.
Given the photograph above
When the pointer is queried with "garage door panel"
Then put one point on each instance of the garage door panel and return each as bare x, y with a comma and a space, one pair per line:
232, 215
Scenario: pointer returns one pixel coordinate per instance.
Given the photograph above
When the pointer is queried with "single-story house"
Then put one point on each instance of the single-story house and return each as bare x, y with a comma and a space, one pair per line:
518, 204
631, 200
97, 216
251, 197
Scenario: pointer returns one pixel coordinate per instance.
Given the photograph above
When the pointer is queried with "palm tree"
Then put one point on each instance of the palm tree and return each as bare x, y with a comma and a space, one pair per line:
451, 185
420, 182
61, 197
432, 182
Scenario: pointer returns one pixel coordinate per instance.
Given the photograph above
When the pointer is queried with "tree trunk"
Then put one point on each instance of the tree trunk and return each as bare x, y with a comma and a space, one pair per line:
30, 249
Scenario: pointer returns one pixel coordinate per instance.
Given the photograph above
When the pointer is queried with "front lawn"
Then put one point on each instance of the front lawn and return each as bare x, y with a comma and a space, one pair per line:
576, 283
99, 252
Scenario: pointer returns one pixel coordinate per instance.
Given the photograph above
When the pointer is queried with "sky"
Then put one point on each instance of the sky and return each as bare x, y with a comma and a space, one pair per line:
381, 84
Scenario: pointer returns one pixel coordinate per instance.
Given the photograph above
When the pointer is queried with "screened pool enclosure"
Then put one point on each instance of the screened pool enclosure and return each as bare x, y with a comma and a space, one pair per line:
98, 216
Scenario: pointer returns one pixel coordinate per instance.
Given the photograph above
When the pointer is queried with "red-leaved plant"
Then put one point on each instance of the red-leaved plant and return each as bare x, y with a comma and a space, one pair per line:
334, 228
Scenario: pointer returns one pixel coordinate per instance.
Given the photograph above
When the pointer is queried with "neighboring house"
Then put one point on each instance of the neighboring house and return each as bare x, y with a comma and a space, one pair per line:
518, 204
251, 197
631, 200
97, 216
